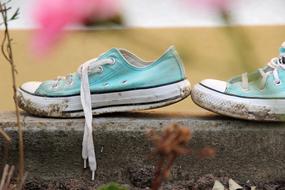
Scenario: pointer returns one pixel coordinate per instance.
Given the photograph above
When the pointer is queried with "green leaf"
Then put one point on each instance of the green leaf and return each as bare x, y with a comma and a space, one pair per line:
112, 186
15, 15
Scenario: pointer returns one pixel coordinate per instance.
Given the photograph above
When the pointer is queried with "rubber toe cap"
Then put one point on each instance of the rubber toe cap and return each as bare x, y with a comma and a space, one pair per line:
217, 85
31, 87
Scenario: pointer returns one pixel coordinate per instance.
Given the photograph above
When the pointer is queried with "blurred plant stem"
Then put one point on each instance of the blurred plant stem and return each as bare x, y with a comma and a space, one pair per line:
168, 146
240, 43
115, 20
6, 48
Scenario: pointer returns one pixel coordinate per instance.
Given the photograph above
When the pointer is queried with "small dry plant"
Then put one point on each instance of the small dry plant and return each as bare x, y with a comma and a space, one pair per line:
168, 146
6, 49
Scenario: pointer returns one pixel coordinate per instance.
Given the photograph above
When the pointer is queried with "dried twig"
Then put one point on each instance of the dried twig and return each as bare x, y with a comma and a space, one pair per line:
7, 175
5, 135
4, 174
6, 48
22, 182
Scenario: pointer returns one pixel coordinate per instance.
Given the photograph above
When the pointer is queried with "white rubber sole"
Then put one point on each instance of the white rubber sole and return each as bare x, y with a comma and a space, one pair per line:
131, 100
239, 107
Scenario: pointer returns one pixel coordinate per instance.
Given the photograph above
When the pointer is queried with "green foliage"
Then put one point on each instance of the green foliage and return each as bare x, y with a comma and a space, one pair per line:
15, 15
4, 8
112, 186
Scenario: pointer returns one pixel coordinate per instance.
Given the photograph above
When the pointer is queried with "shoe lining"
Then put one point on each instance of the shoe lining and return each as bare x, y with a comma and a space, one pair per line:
134, 60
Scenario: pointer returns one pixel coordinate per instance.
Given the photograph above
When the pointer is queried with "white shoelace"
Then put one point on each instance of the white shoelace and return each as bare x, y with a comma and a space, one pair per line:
91, 66
274, 65
88, 151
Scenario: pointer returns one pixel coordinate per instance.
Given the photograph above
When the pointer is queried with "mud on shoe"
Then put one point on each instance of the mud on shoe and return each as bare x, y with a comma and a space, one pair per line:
256, 96
116, 81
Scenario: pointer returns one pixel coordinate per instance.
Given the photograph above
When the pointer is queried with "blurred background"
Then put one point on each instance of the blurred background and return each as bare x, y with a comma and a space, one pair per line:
215, 39
176, 13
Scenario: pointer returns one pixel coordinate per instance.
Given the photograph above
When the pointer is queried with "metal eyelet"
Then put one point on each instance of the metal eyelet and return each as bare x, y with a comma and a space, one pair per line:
70, 83
113, 60
277, 83
54, 86
101, 69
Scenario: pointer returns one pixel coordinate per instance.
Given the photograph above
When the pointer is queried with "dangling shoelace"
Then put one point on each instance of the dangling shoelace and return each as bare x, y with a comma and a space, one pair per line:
91, 66
273, 66
88, 151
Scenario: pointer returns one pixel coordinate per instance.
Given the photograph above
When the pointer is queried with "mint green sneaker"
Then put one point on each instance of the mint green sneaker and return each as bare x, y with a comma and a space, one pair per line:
116, 81
256, 96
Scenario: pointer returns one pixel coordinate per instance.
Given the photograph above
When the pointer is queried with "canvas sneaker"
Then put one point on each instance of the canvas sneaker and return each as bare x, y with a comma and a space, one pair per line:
116, 81
256, 96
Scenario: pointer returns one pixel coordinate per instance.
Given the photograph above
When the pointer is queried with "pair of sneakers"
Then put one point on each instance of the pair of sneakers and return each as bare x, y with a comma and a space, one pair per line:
119, 81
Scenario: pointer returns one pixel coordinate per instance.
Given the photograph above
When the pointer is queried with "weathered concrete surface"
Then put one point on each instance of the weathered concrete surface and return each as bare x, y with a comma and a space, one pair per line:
245, 150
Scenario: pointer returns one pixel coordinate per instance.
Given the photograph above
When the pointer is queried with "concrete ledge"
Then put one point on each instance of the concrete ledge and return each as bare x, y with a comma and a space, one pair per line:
245, 150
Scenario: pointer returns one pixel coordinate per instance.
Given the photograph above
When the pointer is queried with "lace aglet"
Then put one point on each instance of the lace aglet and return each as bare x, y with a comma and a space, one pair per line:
84, 163
93, 175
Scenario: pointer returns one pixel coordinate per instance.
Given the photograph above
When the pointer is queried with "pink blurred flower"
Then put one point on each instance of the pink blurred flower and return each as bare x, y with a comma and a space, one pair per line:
53, 16
220, 5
